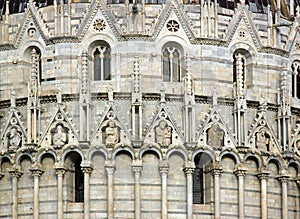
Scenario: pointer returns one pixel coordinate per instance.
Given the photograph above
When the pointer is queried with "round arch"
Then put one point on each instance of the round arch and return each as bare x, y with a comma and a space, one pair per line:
256, 157
150, 149
94, 150
125, 149
231, 153
44, 153
69, 150
21, 155
177, 150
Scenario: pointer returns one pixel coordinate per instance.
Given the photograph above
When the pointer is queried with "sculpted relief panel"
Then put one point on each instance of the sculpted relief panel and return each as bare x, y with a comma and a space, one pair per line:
60, 136
215, 136
163, 133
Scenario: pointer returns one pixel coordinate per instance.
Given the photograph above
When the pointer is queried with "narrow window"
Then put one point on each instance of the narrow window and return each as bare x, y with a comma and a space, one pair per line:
79, 182
166, 65
101, 58
176, 66
97, 65
171, 60
198, 185
296, 80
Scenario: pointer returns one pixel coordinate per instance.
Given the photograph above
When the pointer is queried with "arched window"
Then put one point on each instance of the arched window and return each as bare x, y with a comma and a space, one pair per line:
296, 79
202, 179
101, 57
74, 176
172, 64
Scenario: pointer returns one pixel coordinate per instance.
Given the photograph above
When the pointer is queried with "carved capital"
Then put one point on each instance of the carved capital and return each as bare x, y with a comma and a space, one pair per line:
264, 174
189, 167
137, 166
36, 170
86, 167
110, 167
15, 171
164, 167
59, 169
216, 169
284, 178
240, 170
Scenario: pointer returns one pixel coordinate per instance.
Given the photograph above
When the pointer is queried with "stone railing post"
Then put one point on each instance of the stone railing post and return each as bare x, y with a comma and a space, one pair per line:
216, 171
284, 194
137, 168
110, 169
87, 169
60, 171
15, 173
164, 170
36, 171
189, 168
240, 172
263, 176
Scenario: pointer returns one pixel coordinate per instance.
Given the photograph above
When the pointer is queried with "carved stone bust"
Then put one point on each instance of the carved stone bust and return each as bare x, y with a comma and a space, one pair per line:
60, 137
111, 133
215, 136
163, 133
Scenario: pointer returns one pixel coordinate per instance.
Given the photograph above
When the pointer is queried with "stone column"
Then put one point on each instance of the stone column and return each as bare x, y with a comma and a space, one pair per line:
164, 170
87, 169
240, 172
216, 171
110, 169
36, 173
60, 171
137, 168
263, 176
284, 196
15, 173
189, 169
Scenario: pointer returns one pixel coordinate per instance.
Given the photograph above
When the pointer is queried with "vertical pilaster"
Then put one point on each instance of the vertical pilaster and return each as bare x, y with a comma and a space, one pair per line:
164, 170
240, 172
263, 176
284, 196
216, 172
60, 171
137, 168
110, 169
87, 169
36, 173
189, 169
15, 173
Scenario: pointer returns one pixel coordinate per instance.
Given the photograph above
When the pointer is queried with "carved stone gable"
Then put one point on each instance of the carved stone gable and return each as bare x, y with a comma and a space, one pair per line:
214, 132
261, 136
163, 131
60, 131
14, 135
110, 131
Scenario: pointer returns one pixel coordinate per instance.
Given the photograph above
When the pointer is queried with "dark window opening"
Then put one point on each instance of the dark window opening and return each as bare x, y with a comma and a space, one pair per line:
198, 186
79, 182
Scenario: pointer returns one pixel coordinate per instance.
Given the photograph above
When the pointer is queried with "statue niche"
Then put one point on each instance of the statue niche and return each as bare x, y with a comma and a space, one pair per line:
111, 133
163, 133
263, 140
60, 137
14, 138
215, 136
